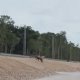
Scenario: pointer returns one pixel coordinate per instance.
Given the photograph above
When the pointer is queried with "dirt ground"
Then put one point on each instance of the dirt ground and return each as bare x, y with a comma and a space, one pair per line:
17, 68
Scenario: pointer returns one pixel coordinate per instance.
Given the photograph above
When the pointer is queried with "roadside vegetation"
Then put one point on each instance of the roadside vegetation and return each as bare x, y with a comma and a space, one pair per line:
48, 44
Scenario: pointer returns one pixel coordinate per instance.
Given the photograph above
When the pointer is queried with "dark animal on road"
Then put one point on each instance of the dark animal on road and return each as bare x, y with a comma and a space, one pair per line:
39, 58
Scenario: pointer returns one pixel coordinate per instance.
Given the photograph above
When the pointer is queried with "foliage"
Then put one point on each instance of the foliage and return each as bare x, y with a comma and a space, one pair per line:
11, 41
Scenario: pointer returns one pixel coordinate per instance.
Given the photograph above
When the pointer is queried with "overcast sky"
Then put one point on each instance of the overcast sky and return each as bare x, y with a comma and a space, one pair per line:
46, 15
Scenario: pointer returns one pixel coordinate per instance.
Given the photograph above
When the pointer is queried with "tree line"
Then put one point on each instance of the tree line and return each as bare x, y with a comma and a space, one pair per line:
48, 44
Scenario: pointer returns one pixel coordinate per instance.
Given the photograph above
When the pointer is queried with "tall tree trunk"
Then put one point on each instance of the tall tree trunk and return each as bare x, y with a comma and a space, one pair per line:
11, 49
5, 48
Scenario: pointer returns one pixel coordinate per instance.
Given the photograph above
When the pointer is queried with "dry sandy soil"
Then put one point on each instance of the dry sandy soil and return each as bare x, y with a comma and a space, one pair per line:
17, 68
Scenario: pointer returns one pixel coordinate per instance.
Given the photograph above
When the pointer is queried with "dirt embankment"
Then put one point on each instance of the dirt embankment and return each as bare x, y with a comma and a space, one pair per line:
16, 68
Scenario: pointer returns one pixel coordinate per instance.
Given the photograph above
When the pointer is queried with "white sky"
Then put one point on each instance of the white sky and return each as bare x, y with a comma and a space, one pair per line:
46, 15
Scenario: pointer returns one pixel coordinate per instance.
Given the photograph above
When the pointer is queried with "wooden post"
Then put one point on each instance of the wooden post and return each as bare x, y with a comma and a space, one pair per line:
53, 52
24, 41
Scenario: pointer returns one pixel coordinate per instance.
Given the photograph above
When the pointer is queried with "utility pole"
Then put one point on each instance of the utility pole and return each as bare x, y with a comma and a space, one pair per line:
70, 53
53, 52
59, 49
24, 41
